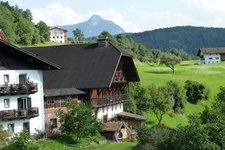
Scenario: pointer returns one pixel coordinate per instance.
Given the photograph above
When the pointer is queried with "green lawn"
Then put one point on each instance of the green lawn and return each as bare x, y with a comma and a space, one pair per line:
212, 75
54, 145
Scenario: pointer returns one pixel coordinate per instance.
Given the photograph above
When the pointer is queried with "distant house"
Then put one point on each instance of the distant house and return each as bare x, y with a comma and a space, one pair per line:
58, 35
3, 36
99, 69
21, 89
211, 55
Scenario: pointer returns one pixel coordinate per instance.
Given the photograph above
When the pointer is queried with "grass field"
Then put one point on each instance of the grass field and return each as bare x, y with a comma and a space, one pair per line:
53, 145
212, 75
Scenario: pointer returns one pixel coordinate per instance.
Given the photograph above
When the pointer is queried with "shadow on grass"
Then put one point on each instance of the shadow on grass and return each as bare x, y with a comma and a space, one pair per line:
159, 72
66, 139
186, 64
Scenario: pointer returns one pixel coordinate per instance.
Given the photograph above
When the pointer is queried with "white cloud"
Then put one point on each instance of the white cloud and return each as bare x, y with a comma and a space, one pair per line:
115, 16
161, 18
210, 6
56, 14
212, 11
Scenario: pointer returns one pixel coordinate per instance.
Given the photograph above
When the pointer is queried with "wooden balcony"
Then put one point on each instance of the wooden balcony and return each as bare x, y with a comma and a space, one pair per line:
56, 104
107, 101
119, 77
19, 114
17, 89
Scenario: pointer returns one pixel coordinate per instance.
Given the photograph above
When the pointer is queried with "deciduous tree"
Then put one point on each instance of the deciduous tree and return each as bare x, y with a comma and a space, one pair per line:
170, 61
79, 120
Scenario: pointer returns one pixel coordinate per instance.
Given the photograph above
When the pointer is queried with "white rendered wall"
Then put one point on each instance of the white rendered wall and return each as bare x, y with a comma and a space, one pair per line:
57, 35
111, 111
36, 99
211, 58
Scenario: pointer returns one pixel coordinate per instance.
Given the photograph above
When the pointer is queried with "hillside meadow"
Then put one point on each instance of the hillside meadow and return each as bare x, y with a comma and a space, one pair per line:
211, 75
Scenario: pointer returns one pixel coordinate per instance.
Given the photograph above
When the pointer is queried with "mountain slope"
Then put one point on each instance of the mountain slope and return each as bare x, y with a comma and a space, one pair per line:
94, 26
187, 38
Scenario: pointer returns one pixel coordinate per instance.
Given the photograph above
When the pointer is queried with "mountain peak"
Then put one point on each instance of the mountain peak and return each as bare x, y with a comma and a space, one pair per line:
95, 19
94, 26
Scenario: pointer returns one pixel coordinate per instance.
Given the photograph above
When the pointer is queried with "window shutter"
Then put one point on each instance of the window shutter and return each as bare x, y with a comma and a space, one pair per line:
29, 102
19, 103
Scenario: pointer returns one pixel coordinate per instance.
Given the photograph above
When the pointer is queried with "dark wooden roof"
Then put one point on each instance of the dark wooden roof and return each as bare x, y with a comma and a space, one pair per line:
13, 57
85, 65
114, 126
130, 115
219, 50
62, 92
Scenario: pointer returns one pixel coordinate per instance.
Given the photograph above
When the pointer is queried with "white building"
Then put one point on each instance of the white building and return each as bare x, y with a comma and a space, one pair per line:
58, 35
211, 55
21, 89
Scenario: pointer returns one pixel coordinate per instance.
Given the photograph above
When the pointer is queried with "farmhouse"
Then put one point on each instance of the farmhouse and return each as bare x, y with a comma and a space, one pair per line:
58, 35
211, 55
99, 69
21, 89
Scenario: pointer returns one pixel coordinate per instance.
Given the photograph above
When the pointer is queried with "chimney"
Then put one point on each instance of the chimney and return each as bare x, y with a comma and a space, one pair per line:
3, 36
102, 41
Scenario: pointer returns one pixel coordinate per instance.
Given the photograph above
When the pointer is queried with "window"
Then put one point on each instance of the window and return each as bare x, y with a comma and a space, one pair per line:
217, 58
6, 103
53, 37
11, 128
53, 123
112, 107
57, 37
120, 105
22, 78
51, 101
116, 107
61, 37
210, 58
6, 78
103, 109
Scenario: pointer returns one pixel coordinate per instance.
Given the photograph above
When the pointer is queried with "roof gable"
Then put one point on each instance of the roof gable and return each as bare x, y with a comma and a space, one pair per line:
85, 65
12, 57
57, 28
219, 50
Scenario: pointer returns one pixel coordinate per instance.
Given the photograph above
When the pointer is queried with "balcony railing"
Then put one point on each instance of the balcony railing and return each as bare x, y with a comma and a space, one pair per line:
107, 101
56, 104
15, 89
19, 114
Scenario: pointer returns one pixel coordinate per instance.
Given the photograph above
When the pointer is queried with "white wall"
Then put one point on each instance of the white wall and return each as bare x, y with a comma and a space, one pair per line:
36, 99
57, 35
211, 58
111, 111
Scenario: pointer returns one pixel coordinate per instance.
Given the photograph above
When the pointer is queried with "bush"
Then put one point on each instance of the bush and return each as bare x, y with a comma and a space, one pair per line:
4, 137
153, 138
22, 141
196, 91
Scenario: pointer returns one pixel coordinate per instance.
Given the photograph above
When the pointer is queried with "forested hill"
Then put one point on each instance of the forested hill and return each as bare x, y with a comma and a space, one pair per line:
18, 26
187, 38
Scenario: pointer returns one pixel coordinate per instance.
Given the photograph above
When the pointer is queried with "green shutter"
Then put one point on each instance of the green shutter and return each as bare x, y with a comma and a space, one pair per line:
19, 103
28, 102
22, 78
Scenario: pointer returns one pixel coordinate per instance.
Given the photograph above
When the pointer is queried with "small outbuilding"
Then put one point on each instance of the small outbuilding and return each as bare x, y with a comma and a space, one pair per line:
116, 130
132, 120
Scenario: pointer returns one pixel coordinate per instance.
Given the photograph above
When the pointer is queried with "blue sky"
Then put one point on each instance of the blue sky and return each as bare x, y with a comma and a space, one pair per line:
131, 15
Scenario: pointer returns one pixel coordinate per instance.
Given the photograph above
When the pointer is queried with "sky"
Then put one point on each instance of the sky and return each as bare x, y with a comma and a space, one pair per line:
131, 15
